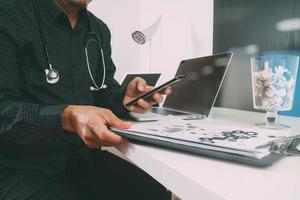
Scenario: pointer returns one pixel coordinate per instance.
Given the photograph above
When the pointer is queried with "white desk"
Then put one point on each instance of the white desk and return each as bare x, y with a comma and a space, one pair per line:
194, 177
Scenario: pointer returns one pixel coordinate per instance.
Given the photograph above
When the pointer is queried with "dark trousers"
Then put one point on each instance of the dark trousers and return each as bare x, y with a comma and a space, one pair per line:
100, 175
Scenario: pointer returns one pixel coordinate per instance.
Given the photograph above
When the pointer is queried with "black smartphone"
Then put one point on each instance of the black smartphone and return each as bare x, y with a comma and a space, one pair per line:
157, 89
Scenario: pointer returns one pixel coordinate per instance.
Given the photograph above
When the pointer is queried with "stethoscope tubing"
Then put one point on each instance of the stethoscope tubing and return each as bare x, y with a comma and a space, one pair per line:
102, 86
50, 68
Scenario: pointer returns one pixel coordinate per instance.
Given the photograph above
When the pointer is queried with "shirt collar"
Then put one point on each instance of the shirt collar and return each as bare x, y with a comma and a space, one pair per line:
50, 10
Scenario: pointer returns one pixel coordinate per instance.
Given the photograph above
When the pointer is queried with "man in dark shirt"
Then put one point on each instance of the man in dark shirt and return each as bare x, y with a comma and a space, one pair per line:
50, 134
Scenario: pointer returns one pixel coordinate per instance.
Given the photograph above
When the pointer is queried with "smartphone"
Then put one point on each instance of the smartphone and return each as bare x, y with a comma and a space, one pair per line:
157, 89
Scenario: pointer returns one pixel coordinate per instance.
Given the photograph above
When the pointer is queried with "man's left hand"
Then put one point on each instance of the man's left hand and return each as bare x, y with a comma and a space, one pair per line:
137, 87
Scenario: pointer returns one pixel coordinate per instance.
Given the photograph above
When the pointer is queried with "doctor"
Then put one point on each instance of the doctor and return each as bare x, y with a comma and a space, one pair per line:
58, 99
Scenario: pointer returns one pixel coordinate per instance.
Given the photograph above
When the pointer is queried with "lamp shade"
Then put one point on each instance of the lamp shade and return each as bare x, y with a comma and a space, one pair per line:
141, 37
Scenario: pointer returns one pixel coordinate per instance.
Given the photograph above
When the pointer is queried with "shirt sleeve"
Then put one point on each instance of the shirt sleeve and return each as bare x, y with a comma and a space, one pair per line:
20, 122
112, 97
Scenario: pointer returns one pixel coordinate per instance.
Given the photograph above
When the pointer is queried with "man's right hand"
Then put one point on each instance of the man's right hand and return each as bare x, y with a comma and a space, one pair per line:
91, 124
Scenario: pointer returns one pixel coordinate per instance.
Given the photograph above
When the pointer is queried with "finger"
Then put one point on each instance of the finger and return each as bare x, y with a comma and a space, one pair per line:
144, 104
93, 143
131, 108
107, 144
89, 138
148, 88
124, 140
157, 97
166, 91
117, 123
113, 121
138, 109
106, 136
102, 141
141, 84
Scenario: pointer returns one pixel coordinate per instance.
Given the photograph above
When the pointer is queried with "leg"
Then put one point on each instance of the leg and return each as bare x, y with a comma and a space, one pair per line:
31, 185
113, 178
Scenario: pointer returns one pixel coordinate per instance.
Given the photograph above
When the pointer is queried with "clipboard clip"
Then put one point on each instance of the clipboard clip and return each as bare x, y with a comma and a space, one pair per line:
289, 146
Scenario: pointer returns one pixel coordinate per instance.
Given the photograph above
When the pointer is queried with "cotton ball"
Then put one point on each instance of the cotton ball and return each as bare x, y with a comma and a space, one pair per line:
289, 95
278, 101
264, 75
258, 101
259, 84
280, 70
281, 92
267, 74
268, 102
281, 83
267, 83
258, 88
269, 93
290, 84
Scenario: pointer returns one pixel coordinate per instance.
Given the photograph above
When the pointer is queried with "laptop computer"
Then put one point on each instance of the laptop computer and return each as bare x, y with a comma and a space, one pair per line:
194, 96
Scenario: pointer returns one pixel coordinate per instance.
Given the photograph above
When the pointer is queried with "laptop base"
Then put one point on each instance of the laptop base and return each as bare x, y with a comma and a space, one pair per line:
167, 111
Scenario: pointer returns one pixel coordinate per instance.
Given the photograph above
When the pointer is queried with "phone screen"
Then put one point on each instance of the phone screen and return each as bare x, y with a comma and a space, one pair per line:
157, 89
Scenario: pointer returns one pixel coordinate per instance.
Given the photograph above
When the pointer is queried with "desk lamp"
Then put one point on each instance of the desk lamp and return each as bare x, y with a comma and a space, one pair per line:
145, 36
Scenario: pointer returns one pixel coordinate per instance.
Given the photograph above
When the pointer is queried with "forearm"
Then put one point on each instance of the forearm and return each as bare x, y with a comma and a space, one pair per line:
26, 122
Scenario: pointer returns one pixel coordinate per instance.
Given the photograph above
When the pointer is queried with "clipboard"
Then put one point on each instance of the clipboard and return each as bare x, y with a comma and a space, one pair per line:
266, 161
261, 157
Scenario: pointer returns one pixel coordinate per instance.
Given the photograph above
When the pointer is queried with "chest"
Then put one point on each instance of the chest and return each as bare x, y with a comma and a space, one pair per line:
67, 55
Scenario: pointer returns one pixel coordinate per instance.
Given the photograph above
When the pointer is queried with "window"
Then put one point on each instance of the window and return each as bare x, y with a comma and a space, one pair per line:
249, 28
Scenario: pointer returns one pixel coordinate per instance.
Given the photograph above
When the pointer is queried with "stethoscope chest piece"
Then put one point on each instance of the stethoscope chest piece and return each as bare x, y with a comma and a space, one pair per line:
52, 75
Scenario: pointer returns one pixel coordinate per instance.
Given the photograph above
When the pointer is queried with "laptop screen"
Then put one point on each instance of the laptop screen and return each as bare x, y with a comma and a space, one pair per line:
198, 91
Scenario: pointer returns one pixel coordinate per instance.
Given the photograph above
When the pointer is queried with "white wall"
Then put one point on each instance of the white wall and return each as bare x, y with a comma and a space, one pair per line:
186, 31
122, 17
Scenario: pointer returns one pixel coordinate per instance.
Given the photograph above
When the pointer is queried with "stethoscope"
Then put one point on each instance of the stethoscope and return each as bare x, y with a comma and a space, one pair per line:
52, 75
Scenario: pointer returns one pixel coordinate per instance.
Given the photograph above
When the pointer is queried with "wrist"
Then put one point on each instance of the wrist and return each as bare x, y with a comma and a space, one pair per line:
118, 102
66, 118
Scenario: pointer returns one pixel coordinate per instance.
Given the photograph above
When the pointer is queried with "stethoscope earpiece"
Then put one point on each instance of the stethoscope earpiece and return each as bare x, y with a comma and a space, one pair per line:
96, 89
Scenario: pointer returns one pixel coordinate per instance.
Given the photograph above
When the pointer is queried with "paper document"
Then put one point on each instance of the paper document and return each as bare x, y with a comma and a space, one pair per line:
234, 139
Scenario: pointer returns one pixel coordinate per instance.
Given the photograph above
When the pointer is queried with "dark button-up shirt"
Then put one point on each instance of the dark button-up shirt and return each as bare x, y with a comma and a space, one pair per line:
30, 108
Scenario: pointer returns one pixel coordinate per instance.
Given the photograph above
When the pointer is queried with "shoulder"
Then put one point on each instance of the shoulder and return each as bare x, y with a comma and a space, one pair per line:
9, 7
97, 20
99, 24
16, 18
8, 16
13, 9
6, 7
